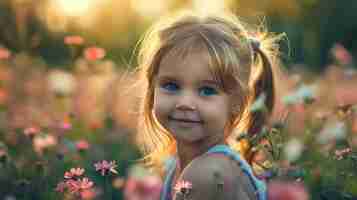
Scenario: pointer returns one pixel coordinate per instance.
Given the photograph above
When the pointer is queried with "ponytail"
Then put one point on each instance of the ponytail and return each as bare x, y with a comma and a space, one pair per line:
262, 84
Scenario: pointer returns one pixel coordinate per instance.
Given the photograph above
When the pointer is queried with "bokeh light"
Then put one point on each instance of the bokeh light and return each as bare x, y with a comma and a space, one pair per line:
59, 14
209, 6
75, 8
150, 10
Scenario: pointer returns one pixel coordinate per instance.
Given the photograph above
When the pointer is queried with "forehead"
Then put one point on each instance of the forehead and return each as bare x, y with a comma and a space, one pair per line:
191, 63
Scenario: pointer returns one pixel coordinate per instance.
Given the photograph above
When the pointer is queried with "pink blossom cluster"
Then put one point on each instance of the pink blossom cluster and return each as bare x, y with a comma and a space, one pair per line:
75, 183
106, 167
78, 185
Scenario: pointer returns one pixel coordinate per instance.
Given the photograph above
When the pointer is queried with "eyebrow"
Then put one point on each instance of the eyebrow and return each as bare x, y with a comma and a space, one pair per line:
213, 82
166, 78
171, 78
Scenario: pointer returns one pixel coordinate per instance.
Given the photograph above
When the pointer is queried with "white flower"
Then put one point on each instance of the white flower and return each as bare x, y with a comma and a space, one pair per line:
304, 92
332, 131
61, 82
293, 149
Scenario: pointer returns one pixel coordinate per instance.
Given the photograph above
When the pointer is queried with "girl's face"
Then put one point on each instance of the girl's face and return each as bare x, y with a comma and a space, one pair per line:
188, 101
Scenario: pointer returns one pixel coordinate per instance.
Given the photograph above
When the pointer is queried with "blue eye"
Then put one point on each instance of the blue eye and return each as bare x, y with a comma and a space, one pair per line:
170, 86
208, 91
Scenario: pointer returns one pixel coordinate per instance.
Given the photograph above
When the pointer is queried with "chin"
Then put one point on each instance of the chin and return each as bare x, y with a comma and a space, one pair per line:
187, 138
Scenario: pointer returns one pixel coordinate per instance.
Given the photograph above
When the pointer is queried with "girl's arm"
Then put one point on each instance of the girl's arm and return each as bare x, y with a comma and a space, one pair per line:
216, 177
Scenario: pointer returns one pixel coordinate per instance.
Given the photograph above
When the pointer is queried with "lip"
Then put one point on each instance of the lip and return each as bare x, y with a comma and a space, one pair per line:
185, 120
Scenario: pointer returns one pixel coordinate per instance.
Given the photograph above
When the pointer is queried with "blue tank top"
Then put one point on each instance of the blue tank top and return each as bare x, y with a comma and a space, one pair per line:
259, 185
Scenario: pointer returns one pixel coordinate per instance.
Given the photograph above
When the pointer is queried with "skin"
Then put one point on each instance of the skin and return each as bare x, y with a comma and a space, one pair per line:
216, 177
190, 104
194, 109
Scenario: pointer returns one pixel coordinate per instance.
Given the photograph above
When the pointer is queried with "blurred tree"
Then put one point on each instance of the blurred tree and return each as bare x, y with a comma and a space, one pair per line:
337, 24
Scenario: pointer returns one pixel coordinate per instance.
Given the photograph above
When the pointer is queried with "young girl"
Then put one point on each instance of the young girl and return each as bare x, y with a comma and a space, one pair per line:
201, 74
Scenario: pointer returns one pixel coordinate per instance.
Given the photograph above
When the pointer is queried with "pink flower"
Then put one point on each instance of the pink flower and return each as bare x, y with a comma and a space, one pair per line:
73, 40
148, 187
183, 187
4, 53
82, 145
105, 167
31, 131
85, 184
73, 173
278, 190
94, 53
72, 186
78, 186
61, 186
66, 126
341, 54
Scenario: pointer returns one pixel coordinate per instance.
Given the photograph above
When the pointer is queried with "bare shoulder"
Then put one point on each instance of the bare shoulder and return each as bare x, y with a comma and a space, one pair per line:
216, 176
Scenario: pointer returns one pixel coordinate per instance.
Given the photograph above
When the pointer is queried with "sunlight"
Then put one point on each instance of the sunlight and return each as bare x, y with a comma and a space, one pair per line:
209, 6
150, 9
75, 8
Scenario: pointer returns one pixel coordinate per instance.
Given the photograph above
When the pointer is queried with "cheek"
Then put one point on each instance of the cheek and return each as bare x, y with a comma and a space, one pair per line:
161, 108
218, 114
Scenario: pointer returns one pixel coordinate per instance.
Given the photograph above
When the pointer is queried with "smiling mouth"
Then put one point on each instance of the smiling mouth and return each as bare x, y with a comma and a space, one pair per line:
185, 120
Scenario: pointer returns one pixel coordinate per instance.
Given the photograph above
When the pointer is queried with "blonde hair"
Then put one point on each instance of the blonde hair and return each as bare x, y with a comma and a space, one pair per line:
240, 57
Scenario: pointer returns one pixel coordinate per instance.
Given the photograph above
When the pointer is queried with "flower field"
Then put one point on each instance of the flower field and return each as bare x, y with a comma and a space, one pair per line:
69, 99
67, 134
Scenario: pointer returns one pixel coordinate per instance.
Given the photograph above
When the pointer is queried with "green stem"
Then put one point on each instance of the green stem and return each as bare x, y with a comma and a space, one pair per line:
107, 187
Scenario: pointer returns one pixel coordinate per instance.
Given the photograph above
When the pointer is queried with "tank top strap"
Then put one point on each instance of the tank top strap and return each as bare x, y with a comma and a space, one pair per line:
258, 185
170, 166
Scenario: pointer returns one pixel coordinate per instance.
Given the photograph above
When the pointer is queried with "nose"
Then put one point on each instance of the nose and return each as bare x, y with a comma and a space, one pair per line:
186, 101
